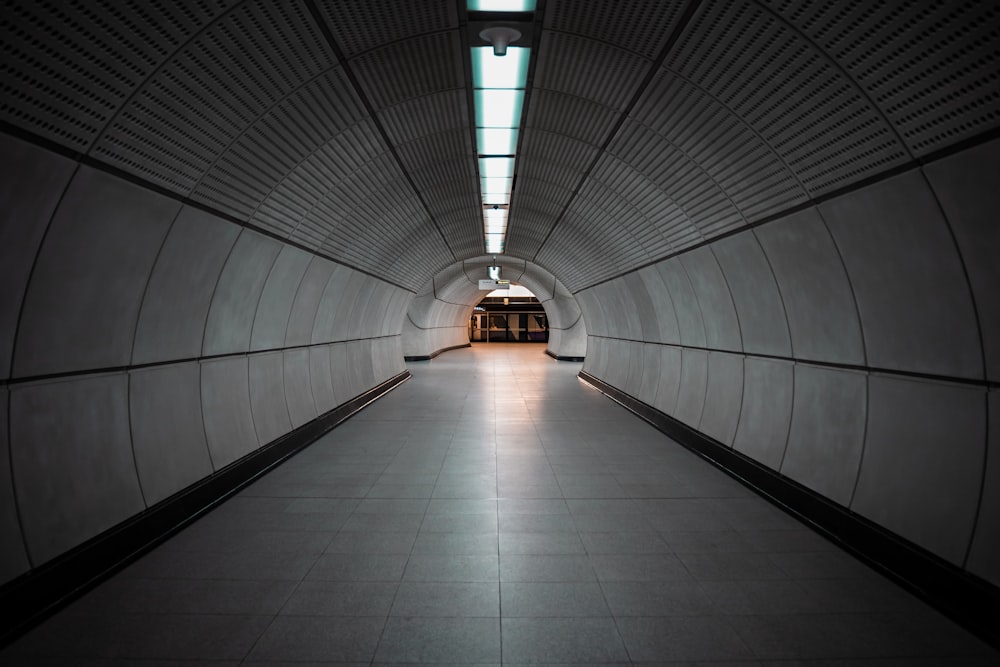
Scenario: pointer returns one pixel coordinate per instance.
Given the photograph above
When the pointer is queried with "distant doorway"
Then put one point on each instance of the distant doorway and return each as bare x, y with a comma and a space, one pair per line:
511, 316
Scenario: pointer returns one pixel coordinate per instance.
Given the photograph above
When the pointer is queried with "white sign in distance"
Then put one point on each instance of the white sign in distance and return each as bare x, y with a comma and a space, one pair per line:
490, 285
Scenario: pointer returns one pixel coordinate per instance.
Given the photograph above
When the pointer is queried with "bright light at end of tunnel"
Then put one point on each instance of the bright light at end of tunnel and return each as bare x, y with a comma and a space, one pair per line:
501, 5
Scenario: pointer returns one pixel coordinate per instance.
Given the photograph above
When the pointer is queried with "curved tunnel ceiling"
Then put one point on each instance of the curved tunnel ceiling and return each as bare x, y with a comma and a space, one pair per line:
650, 126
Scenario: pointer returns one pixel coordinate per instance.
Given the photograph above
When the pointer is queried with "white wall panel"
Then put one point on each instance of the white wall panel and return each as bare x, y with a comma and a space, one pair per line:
915, 304
13, 557
175, 306
596, 361
340, 371
302, 319
649, 372
983, 559
642, 307
234, 304
722, 329
966, 187
666, 329
722, 396
618, 362
298, 387
329, 304
270, 322
767, 410
758, 304
83, 300
225, 407
320, 378
694, 382
72, 461
819, 303
31, 182
168, 433
669, 380
827, 431
267, 396
921, 471
342, 322
593, 313
690, 324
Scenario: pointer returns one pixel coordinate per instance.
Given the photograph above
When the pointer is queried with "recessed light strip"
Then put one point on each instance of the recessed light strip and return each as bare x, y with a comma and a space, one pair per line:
498, 85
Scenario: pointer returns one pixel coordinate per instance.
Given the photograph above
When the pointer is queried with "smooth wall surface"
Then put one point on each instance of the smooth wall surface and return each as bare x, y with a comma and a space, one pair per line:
146, 344
849, 346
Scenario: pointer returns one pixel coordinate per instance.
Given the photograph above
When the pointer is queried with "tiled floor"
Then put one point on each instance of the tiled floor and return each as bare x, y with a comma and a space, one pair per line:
493, 510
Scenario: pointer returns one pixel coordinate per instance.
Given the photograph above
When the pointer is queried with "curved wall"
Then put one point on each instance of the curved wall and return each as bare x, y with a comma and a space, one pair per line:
145, 344
438, 317
851, 346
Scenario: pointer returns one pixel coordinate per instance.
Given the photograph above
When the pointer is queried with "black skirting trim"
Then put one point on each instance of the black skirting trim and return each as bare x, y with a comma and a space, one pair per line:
969, 600
561, 358
428, 357
35, 595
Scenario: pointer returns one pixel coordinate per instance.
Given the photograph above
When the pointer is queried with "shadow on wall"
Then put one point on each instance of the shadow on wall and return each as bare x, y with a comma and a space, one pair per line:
145, 345
438, 317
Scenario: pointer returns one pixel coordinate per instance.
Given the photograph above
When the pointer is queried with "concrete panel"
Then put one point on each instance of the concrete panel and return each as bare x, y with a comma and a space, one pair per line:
666, 329
225, 407
234, 304
722, 328
302, 320
320, 379
966, 187
694, 382
690, 324
168, 433
633, 383
342, 322
175, 307
31, 182
267, 396
593, 313
597, 358
396, 313
329, 304
819, 303
298, 387
767, 410
649, 371
83, 301
984, 557
755, 293
571, 342
828, 431
341, 373
915, 304
72, 461
722, 397
619, 359
13, 557
649, 324
669, 380
921, 471
359, 353
271, 320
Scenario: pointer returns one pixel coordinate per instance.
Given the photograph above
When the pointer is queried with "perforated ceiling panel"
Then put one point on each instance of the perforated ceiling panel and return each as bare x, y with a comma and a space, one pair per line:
362, 25
637, 25
68, 68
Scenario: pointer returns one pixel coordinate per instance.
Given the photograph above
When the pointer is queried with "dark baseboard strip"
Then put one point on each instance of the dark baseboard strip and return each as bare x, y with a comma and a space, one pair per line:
35, 595
428, 357
561, 358
968, 600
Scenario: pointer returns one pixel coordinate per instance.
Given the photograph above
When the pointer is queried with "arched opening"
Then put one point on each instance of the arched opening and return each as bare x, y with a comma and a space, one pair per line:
511, 315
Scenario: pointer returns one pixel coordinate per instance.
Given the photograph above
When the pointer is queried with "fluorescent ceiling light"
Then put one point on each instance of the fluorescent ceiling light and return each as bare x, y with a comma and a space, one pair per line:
499, 198
490, 71
495, 184
498, 108
501, 5
494, 244
496, 140
496, 167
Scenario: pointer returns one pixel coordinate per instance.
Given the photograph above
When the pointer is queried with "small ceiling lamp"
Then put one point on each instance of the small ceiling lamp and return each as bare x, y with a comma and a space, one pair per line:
500, 37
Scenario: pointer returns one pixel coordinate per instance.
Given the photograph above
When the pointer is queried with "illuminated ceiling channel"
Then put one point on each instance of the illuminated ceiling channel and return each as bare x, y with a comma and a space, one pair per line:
499, 77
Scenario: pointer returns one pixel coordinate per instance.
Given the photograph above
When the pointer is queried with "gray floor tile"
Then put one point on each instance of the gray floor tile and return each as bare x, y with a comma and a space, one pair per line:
356, 542
666, 638
561, 640
731, 566
451, 568
447, 599
349, 567
624, 543
639, 567
340, 598
447, 640
559, 600
319, 638
456, 543
545, 568
541, 544
657, 598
